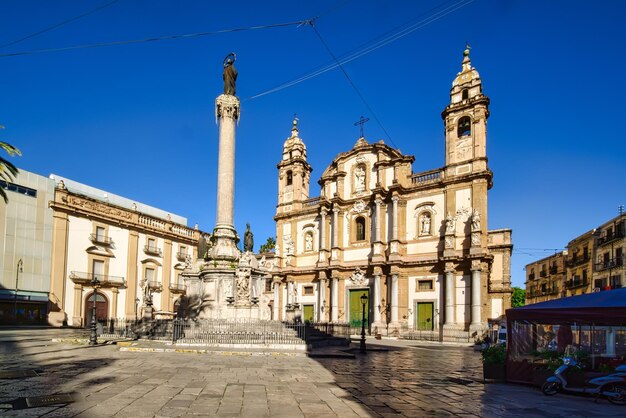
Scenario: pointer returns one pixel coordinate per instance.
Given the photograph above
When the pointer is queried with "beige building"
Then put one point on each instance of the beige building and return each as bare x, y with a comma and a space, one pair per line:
137, 253
417, 245
25, 248
593, 262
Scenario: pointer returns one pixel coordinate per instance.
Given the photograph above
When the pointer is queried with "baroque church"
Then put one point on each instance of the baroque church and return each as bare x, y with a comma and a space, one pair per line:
411, 250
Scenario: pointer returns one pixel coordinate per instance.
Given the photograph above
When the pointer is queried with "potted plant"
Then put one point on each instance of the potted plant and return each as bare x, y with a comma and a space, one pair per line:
494, 359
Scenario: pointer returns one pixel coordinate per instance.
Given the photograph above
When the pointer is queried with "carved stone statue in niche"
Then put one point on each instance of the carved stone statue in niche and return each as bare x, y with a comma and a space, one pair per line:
359, 179
308, 242
243, 284
475, 220
425, 224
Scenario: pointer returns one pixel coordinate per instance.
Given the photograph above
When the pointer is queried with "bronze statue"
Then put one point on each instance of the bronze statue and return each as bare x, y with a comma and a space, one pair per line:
248, 239
230, 74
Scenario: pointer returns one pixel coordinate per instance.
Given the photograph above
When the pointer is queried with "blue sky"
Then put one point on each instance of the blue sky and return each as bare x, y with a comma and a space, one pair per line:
138, 120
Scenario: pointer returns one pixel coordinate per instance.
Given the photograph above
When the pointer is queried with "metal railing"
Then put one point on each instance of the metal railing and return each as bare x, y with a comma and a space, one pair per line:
610, 237
100, 239
177, 287
611, 263
577, 282
237, 332
182, 256
148, 249
341, 329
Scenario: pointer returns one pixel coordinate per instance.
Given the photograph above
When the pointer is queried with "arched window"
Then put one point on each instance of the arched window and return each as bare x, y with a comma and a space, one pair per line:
360, 228
465, 94
425, 221
465, 126
289, 178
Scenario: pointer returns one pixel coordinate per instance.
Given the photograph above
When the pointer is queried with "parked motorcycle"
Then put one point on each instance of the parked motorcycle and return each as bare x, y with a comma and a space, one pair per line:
613, 386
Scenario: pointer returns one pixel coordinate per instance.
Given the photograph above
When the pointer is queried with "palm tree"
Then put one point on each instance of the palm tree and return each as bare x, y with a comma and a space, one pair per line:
7, 170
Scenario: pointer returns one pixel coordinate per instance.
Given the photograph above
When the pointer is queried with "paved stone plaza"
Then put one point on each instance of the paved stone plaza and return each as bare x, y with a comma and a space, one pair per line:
410, 379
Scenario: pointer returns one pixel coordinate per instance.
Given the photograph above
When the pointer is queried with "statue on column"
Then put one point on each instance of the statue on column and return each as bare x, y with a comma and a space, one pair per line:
475, 220
248, 239
230, 74
450, 224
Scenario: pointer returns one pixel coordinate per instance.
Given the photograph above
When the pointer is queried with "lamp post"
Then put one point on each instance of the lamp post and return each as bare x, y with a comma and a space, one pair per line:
93, 338
362, 345
20, 269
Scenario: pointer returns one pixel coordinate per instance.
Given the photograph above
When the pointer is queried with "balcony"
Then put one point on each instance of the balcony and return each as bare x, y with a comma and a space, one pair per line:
155, 285
577, 261
531, 276
576, 282
100, 239
178, 288
104, 279
554, 269
543, 273
610, 264
610, 238
149, 249
182, 256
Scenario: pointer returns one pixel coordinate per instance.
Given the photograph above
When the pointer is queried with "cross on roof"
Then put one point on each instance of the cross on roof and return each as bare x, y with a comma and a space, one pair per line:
361, 122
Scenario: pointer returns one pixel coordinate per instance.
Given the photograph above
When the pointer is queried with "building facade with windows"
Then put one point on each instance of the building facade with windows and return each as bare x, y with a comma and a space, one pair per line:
415, 248
593, 262
25, 248
136, 252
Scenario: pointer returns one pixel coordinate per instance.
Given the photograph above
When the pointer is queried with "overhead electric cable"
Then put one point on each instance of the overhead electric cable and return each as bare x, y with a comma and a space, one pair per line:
155, 39
65, 22
376, 43
358, 92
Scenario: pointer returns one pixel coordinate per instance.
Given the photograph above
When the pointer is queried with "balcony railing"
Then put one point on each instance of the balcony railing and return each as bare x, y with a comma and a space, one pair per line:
104, 279
577, 261
543, 273
148, 249
531, 276
154, 285
181, 256
554, 269
576, 282
100, 239
610, 237
177, 288
427, 177
610, 264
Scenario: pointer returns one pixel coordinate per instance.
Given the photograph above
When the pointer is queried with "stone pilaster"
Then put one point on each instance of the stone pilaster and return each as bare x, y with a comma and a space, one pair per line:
334, 299
476, 322
449, 296
321, 301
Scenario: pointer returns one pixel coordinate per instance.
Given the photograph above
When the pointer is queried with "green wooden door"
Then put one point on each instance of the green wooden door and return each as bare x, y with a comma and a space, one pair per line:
424, 316
308, 314
356, 307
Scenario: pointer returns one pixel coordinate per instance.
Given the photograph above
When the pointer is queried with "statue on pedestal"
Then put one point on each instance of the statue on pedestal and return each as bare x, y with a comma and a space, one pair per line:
230, 74
248, 239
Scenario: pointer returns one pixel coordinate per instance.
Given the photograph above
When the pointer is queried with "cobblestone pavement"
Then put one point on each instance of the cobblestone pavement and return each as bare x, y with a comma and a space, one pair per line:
410, 379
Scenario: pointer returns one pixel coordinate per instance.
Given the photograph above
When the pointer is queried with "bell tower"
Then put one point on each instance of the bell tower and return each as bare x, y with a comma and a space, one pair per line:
294, 173
465, 121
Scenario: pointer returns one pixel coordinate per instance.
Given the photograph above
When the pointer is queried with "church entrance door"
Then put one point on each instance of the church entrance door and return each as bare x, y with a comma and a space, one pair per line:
102, 308
356, 307
424, 316
308, 313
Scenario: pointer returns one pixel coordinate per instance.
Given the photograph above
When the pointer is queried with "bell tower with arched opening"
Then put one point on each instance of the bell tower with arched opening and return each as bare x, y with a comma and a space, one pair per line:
465, 120
294, 173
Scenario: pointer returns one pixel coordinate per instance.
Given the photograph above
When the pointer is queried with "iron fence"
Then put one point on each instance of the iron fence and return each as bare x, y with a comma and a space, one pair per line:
157, 329
340, 329
235, 332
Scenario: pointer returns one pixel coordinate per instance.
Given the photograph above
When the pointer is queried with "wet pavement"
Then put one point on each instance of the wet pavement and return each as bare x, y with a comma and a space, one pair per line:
409, 379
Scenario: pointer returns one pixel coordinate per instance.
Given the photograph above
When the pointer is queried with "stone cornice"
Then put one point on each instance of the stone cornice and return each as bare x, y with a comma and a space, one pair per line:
83, 206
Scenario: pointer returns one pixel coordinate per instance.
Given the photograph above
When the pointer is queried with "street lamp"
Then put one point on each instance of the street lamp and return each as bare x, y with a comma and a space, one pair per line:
93, 338
19, 270
362, 345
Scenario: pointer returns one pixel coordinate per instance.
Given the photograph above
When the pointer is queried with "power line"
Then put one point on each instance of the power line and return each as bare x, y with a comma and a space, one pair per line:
358, 92
65, 22
376, 43
155, 39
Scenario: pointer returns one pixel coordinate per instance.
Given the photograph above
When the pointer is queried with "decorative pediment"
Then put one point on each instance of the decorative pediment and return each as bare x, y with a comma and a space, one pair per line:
150, 261
358, 278
98, 250
359, 207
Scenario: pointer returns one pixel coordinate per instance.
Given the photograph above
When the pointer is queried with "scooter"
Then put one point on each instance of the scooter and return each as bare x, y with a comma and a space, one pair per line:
613, 386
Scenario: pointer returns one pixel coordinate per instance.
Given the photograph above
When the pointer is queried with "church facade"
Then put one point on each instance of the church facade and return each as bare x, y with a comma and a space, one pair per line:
411, 252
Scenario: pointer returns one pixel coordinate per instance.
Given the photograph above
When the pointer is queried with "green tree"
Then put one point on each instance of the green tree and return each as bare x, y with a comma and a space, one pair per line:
7, 170
518, 298
269, 245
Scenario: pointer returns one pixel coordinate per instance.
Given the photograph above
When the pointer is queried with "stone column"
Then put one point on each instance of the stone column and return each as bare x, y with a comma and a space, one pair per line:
476, 306
449, 289
394, 201
115, 292
334, 299
323, 213
378, 220
276, 300
227, 111
335, 227
321, 299
376, 300
289, 294
394, 298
